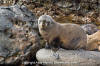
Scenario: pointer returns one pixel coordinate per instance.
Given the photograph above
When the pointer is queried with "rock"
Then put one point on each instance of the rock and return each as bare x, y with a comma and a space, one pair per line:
23, 43
93, 41
17, 12
6, 12
5, 45
5, 23
68, 58
22, 13
18, 40
90, 28
1, 2
64, 4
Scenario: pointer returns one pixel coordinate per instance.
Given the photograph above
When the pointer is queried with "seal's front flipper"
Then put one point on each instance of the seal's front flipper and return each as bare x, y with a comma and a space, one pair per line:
56, 55
47, 46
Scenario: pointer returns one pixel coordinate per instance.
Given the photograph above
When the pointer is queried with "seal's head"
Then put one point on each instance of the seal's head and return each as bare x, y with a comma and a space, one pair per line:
45, 21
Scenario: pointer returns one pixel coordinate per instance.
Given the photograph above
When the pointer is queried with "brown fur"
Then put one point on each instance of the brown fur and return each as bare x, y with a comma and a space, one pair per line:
72, 36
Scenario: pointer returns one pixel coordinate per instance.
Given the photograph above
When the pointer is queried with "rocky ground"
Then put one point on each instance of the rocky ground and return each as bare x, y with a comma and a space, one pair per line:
18, 24
18, 34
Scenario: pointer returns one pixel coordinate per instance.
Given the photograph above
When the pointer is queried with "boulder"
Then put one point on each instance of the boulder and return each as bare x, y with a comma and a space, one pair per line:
68, 58
5, 23
19, 41
18, 13
89, 28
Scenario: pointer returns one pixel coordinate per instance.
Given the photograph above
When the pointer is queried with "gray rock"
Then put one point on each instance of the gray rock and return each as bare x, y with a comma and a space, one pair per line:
64, 4
5, 23
12, 37
5, 45
17, 12
90, 28
68, 57
22, 13
6, 12
1, 1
